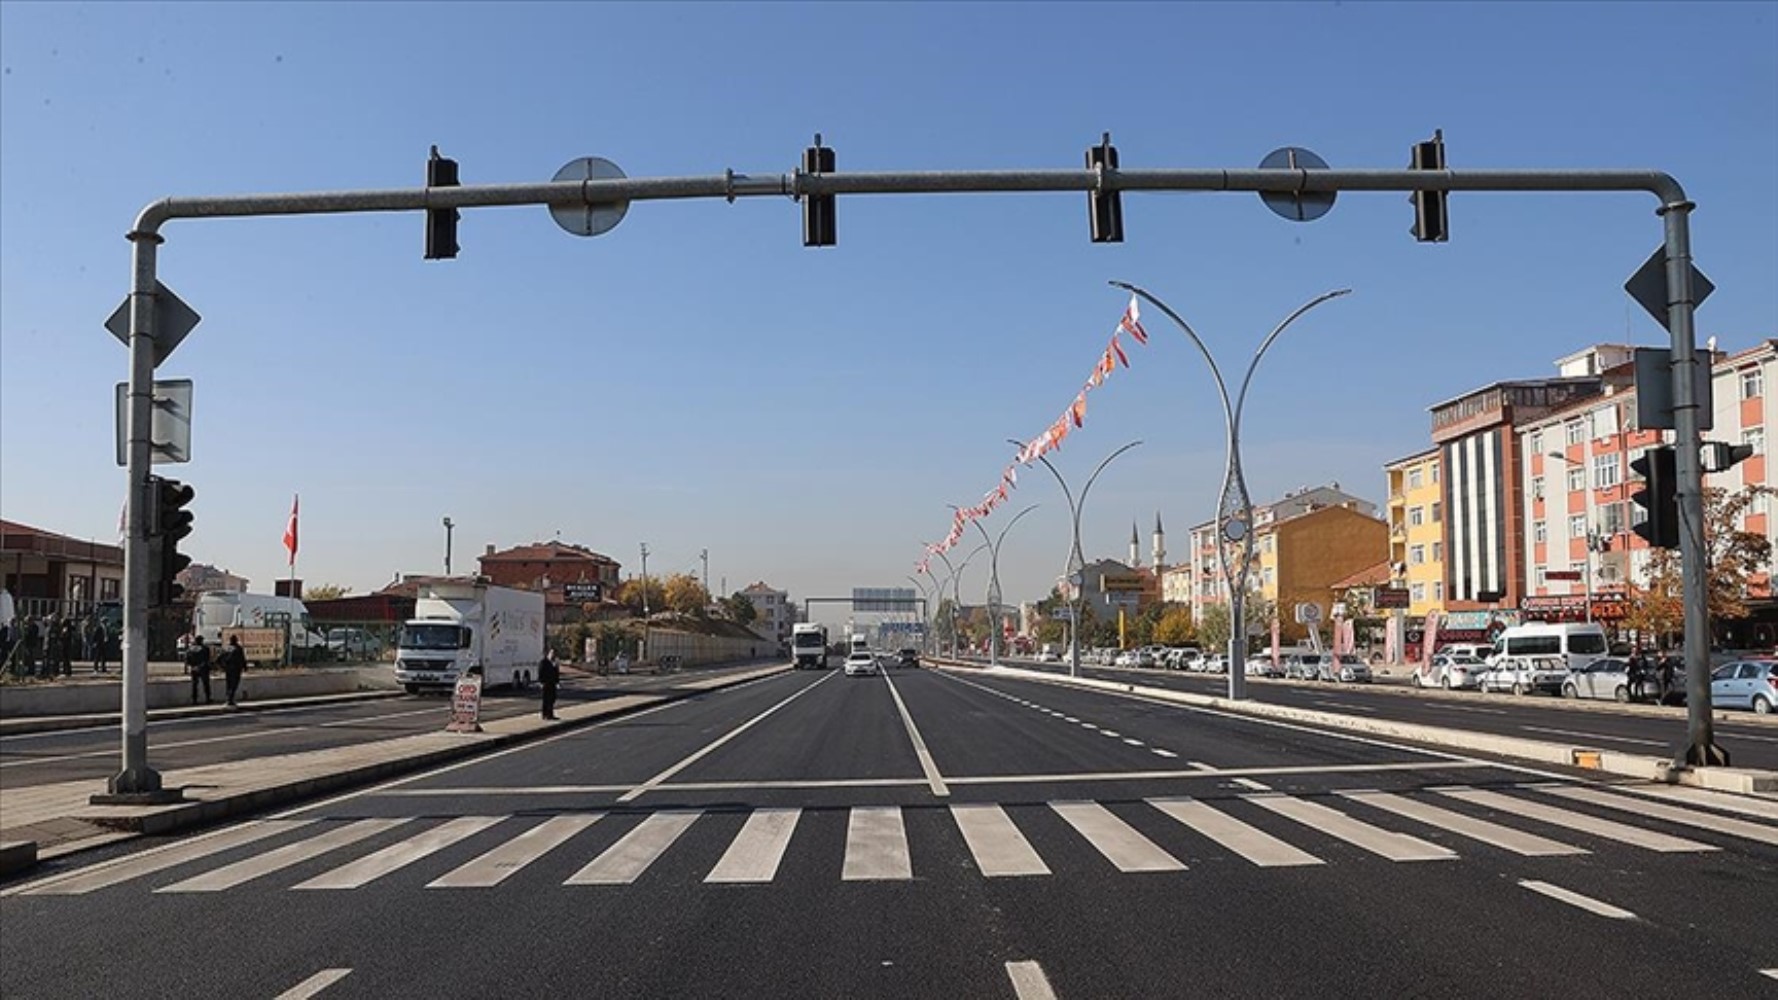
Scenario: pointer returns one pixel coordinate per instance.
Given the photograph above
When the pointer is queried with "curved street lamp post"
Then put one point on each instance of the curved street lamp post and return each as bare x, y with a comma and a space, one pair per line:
955, 579
994, 580
1234, 512
925, 615
1076, 561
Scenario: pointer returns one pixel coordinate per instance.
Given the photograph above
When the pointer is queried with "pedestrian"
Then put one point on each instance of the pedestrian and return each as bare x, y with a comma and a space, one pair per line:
1664, 672
31, 644
70, 639
197, 664
234, 662
52, 647
1637, 670
549, 675
101, 647
89, 637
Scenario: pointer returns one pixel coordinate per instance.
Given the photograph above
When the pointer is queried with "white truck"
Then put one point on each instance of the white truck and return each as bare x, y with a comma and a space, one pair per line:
460, 627
216, 610
808, 645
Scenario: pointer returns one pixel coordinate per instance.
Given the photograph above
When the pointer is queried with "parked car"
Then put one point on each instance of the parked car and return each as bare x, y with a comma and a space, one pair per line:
1262, 666
1749, 684
1134, 658
1217, 663
1347, 668
1449, 671
1303, 666
1525, 674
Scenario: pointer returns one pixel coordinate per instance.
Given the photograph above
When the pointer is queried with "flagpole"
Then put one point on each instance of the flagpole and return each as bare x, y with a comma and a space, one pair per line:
295, 598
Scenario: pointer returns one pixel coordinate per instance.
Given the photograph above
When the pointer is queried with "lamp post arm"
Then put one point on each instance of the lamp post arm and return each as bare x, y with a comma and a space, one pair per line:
1222, 390
1246, 380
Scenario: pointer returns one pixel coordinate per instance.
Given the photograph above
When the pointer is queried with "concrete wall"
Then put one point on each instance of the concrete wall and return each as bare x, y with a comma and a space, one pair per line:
25, 700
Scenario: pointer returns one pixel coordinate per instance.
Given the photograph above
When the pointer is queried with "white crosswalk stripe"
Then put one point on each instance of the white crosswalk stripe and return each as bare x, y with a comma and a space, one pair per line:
1609, 829
1378, 841
876, 845
757, 851
1129, 850
1504, 837
1250, 842
495, 866
627, 859
147, 863
1727, 802
398, 856
997, 845
1672, 814
229, 876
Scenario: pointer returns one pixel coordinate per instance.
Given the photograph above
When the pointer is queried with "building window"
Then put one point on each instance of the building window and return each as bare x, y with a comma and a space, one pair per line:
1611, 518
1434, 468
1436, 515
1438, 590
1576, 431
1753, 383
108, 589
1417, 592
1537, 487
1415, 479
1536, 442
1605, 471
1756, 438
1417, 555
1416, 516
1269, 574
1438, 551
1540, 533
1577, 526
1539, 579
1577, 479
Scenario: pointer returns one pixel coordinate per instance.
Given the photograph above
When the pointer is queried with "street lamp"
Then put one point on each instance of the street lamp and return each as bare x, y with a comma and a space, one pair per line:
955, 579
926, 615
994, 580
1076, 561
1234, 512
448, 526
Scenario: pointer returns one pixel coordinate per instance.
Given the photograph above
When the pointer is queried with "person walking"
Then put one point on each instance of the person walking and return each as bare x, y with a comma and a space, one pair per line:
234, 662
549, 675
197, 664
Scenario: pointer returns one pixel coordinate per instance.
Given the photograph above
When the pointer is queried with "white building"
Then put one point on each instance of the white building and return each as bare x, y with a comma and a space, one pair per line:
773, 612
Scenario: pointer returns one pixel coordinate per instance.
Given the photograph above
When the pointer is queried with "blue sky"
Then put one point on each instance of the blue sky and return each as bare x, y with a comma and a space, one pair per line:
697, 379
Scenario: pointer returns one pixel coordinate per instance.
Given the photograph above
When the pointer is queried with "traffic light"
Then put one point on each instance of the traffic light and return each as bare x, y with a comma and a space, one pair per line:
441, 223
1105, 208
818, 220
169, 523
1430, 222
1720, 456
1660, 526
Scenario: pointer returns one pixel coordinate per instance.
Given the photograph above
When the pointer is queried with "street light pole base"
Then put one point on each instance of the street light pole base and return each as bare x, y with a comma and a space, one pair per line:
138, 786
1702, 755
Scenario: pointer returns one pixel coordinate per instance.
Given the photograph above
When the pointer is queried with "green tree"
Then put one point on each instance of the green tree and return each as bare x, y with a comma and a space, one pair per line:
325, 592
1733, 554
738, 609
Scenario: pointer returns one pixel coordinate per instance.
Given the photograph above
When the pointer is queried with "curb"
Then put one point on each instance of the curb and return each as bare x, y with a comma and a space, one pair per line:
1740, 781
59, 723
160, 820
16, 856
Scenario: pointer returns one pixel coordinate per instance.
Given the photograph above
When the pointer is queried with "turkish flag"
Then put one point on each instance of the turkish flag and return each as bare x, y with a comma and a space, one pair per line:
290, 532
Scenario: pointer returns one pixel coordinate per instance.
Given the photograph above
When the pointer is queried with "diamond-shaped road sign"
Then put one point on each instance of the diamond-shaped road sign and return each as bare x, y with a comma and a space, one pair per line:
173, 319
1648, 286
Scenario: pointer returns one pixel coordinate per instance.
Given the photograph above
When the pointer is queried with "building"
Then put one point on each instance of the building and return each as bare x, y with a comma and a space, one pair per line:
773, 613
47, 573
570, 576
1108, 585
1417, 530
200, 577
1301, 559
1207, 584
1176, 584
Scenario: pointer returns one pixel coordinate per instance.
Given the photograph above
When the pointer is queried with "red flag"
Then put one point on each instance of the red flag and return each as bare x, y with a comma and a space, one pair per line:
1132, 322
1079, 409
1121, 356
290, 532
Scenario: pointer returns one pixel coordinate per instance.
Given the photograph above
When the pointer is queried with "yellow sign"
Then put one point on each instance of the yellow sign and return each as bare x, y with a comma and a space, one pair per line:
1128, 581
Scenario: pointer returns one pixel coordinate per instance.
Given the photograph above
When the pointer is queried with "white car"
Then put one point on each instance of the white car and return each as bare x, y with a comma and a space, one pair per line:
862, 663
1048, 656
1451, 671
1525, 674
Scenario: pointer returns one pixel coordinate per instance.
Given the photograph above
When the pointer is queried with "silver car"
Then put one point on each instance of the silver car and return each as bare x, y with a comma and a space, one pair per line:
1746, 684
862, 663
1347, 668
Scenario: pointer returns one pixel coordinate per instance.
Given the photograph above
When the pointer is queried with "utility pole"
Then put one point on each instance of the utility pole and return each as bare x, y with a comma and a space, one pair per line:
642, 653
448, 525
704, 555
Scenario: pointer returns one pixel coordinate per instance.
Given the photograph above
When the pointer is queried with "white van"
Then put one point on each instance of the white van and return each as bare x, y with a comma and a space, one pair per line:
1577, 643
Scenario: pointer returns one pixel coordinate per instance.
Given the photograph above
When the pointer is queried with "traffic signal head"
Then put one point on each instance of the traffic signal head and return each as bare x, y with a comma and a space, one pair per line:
1430, 222
818, 209
1658, 498
441, 223
1105, 209
169, 524
1720, 456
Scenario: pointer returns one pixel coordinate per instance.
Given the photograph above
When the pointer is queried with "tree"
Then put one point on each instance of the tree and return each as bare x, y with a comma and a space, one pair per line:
325, 592
1733, 554
1175, 626
683, 593
738, 609
629, 594
1213, 626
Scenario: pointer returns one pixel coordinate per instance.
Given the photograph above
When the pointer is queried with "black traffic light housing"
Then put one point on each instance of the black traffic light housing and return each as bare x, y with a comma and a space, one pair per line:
1431, 225
818, 209
1105, 209
441, 223
169, 524
1660, 527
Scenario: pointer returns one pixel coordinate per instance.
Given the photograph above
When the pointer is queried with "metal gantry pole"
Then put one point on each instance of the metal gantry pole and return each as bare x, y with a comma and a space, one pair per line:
1235, 509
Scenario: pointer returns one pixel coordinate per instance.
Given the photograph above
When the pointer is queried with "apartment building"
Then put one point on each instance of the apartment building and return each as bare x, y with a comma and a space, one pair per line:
1417, 530
1301, 558
1206, 583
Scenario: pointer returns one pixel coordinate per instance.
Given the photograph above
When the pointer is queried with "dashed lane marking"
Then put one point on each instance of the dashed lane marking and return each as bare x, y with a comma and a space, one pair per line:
314, 984
1573, 898
1029, 982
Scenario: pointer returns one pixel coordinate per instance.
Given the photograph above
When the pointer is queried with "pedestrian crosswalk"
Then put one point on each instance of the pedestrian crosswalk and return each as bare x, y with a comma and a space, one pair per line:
885, 843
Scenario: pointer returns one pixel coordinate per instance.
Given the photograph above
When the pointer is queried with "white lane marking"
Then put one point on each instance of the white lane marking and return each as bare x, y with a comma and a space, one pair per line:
1029, 982
759, 848
1383, 843
876, 845
1254, 785
1672, 814
135, 866
927, 765
1134, 743
206, 740
999, 848
1250, 842
1573, 898
1736, 734
314, 984
493, 867
710, 748
1343, 705
1158, 752
1503, 837
398, 856
1745, 805
1088, 725
1592, 736
1769, 973
1107, 732
1069, 718
229, 876
625, 861
1129, 850
1609, 829
1200, 765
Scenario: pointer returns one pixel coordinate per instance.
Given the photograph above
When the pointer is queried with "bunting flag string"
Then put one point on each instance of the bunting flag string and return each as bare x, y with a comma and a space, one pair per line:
1052, 437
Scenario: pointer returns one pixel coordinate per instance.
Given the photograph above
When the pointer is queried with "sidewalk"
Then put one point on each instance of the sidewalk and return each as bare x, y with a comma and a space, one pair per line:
60, 819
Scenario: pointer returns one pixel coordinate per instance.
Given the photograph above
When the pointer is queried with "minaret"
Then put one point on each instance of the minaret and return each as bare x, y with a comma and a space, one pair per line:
1160, 544
1135, 548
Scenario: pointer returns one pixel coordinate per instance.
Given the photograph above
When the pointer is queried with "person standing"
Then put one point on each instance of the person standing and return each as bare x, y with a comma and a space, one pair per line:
197, 664
234, 662
70, 639
101, 646
549, 675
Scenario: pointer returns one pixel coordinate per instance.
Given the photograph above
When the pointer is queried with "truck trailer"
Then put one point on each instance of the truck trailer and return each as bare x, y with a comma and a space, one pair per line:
470, 627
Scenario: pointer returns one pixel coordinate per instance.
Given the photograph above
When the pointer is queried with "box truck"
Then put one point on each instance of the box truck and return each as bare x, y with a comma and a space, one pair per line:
808, 644
463, 627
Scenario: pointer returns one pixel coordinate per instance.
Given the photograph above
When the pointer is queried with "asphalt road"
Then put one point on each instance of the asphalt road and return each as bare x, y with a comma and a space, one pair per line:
1652, 731
931, 834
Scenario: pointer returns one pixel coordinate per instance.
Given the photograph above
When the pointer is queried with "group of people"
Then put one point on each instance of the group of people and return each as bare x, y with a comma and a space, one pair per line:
47, 646
232, 660
1648, 672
